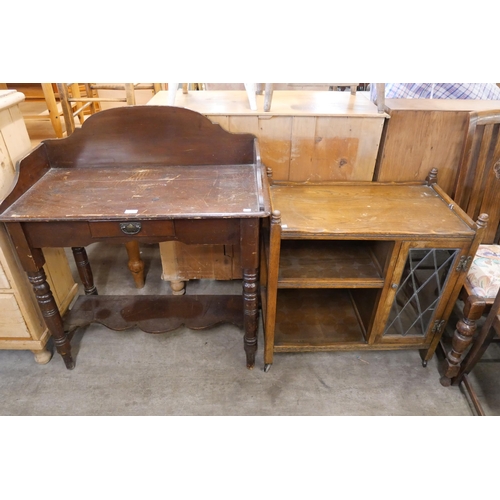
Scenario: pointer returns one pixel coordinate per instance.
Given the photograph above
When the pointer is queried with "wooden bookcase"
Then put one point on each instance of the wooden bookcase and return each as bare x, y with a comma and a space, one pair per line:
352, 266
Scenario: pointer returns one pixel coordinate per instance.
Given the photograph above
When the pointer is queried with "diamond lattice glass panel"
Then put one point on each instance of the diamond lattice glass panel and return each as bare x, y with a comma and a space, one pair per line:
423, 279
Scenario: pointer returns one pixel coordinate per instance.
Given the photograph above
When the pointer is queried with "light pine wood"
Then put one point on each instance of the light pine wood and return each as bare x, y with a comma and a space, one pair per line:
269, 89
307, 135
53, 111
202, 262
333, 148
14, 139
12, 323
285, 103
274, 133
59, 277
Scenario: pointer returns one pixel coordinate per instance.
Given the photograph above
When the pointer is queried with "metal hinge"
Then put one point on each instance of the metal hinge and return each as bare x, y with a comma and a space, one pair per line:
438, 325
463, 264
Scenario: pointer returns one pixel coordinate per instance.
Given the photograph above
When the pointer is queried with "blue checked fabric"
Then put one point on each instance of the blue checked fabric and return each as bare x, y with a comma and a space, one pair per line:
438, 91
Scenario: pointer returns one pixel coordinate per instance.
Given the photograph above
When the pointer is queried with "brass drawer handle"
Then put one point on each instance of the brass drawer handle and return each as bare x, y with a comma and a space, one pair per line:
130, 227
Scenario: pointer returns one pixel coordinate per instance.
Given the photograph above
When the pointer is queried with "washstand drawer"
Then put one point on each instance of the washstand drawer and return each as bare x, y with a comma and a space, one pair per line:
132, 228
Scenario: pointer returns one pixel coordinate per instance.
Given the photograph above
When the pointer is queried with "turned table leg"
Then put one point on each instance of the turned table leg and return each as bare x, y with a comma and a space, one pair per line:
51, 315
462, 338
251, 310
84, 270
135, 263
249, 254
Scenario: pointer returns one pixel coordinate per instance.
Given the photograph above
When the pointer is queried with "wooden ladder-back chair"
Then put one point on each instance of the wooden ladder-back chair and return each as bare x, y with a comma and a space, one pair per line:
489, 333
75, 103
477, 191
53, 111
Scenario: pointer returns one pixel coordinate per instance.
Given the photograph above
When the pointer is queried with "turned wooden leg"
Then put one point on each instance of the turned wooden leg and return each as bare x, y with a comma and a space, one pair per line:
84, 270
481, 342
178, 287
42, 357
51, 315
462, 337
251, 311
135, 263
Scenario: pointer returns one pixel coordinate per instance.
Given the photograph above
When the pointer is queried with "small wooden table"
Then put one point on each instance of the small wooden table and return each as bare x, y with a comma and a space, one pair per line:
146, 174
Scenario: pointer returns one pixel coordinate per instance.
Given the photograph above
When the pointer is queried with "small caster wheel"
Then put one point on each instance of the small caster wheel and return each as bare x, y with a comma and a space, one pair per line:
424, 363
267, 367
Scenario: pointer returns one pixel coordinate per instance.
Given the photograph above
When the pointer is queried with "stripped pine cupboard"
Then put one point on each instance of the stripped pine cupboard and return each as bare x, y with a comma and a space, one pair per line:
21, 323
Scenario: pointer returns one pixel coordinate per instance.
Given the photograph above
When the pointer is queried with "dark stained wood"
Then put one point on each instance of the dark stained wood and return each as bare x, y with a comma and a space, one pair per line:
51, 316
142, 174
155, 313
35, 165
32, 259
84, 270
205, 231
462, 338
458, 371
170, 135
136, 192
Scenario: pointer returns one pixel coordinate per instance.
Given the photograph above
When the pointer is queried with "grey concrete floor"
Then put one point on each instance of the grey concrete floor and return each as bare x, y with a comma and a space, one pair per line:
189, 372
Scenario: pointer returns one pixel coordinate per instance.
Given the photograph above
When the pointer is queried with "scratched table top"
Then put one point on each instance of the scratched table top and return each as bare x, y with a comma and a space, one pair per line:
146, 192
366, 208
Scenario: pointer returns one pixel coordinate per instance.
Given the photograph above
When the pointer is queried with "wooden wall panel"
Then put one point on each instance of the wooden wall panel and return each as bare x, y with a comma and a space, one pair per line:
417, 141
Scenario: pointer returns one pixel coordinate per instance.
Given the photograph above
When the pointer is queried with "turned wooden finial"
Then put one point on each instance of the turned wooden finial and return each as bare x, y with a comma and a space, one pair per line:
432, 177
269, 174
276, 217
482, 220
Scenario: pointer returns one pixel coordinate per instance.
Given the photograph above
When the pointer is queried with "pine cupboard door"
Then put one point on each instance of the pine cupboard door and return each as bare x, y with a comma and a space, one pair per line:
418, 292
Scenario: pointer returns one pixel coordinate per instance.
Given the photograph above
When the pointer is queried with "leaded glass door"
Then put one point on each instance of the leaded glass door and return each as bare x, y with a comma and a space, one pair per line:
425, 276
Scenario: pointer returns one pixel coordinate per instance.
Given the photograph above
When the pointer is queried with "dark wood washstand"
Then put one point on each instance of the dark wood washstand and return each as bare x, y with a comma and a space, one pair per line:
145, 174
